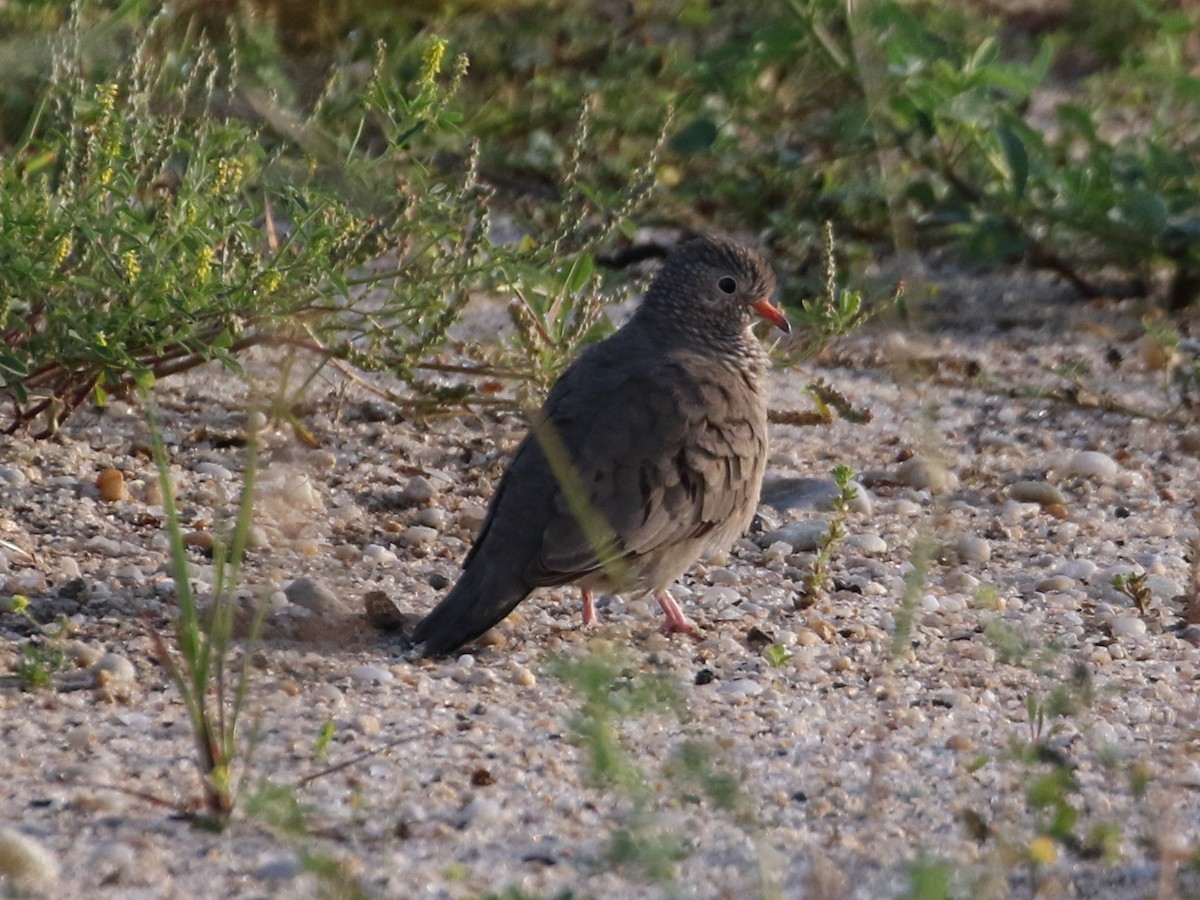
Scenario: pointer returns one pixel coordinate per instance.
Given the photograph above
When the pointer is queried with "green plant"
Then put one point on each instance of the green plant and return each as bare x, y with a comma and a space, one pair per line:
200, 665
910, 601
776, 655
1134, 587
1000, 189
609, 693
38, 661
835, 531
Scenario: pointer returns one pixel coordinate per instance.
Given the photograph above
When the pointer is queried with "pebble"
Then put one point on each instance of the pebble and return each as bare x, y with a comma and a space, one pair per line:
379, 554
1042, 493
741, 688
800, 536
213, 470
314, 596
112, 669
521, 676
1092, 464
1078, 569
723, 576
973, 549
870, 544
1055, 583
923, 474
813, 494
419, 490
367, 724
372, 674
432, 516
201, 540
415, 535
111, 485
281, 869
25, 862
13, 476
1128, 627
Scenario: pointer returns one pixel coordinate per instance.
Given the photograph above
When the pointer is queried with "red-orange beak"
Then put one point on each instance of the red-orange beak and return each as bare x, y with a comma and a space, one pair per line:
772, 314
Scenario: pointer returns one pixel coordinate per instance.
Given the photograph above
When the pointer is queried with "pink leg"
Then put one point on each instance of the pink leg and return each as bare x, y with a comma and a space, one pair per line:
589, 609
676, 622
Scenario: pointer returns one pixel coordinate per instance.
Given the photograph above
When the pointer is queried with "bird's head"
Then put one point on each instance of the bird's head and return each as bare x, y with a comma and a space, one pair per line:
715, 287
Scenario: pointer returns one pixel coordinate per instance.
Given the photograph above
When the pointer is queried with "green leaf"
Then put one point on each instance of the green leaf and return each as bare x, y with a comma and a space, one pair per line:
696, 137
1017, 159
581, 273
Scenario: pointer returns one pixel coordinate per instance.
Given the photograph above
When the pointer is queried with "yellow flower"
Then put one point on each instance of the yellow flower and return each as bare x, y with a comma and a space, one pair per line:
131, 266
431, 61
1042, 850
204, 259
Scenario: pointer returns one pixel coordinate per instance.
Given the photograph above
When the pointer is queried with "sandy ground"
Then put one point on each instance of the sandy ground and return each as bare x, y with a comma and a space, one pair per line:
855, 755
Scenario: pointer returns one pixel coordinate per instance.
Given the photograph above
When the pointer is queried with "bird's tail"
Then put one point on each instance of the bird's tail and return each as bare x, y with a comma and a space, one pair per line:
474, 605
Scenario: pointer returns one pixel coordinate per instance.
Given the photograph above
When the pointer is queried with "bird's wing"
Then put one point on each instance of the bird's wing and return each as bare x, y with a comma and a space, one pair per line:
662, 448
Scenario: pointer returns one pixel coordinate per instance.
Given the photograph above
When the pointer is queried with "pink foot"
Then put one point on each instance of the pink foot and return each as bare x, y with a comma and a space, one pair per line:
589, 609
676, 622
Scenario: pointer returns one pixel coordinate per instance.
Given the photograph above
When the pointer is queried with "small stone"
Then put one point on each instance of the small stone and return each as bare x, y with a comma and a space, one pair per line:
257, 537
415, 535
382, 611
418, 491
868, 544
521, 676
111, 669
432, 516
1078, 569
1055, 583
924, 474
1042, 493
723, 576
367, 724
741, 688
1092, 464
1191, 634
200, 540
800, 536
213, 470
25, 862
471, 516
315, 597
379, 554
960, 743
973, 549
806, 637
1128, 627
111, 485
372, 674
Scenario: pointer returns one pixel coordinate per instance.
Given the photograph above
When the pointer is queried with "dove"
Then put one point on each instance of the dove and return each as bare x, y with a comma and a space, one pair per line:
648, 452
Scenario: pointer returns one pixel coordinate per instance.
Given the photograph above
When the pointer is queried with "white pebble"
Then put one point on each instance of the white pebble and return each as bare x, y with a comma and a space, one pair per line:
741, 688
379, 554
1128, 627
213, 470
870, 544
110, 668
418, 534
973, 549
372, 674
419, 490
24, 861
723, 576
432, 516
1079, 569
1092, 464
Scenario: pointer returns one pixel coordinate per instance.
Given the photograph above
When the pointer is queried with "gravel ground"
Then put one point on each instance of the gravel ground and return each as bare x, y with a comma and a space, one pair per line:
853, 760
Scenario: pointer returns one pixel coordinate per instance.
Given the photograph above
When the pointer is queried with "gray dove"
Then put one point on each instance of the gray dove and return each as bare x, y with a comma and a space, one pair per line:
649, 450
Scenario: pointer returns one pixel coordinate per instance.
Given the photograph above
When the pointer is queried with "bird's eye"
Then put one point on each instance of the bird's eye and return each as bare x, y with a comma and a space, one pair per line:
727, 284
